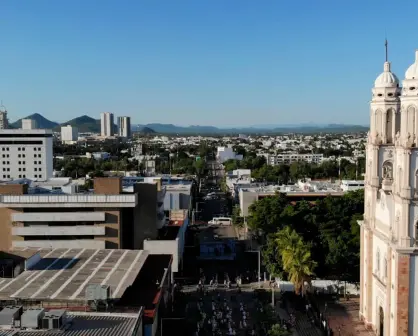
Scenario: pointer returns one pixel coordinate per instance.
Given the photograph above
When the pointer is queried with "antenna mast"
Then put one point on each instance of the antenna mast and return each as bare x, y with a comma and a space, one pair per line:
386, 49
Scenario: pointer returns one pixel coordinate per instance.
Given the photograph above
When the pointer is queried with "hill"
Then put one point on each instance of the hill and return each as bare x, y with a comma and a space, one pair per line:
146, 130
41, 122
84, 124
211, 130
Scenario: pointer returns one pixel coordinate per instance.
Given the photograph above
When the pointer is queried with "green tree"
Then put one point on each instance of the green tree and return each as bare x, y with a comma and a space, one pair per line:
296, 258
237, 219
278, 330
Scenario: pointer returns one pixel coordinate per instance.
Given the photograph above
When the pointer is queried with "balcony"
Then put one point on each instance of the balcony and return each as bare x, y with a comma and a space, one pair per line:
68, 201
44, 230
68, 244
59, 217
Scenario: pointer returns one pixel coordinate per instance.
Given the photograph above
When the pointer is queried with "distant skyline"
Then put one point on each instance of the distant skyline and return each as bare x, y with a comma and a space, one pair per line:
186, 62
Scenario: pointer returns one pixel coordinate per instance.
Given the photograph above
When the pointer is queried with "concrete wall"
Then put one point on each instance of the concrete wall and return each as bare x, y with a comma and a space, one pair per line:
177, 200
145, 214
164, 247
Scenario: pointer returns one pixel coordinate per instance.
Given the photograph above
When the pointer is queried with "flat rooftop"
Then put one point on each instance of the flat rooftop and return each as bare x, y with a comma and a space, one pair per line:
64, 274
88, 324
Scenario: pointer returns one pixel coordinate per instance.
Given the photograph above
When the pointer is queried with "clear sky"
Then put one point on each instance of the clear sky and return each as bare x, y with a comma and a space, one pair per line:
206, 62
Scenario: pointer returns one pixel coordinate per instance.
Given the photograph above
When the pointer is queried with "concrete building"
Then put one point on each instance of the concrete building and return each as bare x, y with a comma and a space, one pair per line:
303, 190
227, 153
171, 239
69, 134
4, 122
289, 158
38, 217
26, 154
106, 124
389, 234
28, 124
178, 197
124, 127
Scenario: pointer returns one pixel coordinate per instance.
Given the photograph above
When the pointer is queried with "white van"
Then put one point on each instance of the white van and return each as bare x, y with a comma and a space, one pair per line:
220, 221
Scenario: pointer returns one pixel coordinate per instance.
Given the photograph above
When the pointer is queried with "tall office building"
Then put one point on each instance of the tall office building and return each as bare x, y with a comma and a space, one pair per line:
107, 124
4, 122
389, 231
69, 134
26, 154
124, 127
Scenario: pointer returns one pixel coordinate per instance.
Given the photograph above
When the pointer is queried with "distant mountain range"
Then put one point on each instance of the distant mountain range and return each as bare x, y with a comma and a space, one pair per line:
88, 124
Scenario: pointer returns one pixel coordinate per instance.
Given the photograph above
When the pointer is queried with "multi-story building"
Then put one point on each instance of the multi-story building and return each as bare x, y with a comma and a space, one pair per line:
69, 134
26, 154
124, 127
107, 124
289, 158
389, 234
4, 122
41, 217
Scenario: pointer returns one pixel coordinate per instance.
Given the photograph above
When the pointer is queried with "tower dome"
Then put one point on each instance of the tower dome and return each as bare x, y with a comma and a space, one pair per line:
386, 79
412, 72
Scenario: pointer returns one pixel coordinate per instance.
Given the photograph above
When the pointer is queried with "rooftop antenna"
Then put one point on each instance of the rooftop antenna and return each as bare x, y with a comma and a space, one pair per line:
386, 49
2, 107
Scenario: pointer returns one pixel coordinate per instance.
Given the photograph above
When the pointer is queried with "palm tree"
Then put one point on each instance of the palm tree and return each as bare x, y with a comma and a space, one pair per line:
296, 257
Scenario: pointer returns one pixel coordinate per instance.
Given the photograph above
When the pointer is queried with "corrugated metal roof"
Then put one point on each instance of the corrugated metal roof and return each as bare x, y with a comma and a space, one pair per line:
96, 325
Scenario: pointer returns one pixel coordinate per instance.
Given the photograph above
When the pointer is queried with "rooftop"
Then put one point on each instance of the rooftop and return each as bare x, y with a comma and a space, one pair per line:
64, 274
87, 324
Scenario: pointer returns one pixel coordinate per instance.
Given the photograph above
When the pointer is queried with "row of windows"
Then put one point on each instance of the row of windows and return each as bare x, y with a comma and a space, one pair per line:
23, 169
21, 162
23, 176
22, 155
24, 148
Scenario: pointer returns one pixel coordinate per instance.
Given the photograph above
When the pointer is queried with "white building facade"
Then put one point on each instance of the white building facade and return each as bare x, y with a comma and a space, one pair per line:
107, 124
69, 134
28, 124
124, 127
26, 154
389, 249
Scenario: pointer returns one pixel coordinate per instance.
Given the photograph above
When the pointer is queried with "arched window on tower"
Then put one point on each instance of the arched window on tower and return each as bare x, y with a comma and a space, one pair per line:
387, 170
378, 261
385, 265
388, 125
416, 183
397, 122
411, 123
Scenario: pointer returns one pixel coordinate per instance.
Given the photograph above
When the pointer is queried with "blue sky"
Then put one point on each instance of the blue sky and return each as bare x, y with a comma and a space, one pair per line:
207, 62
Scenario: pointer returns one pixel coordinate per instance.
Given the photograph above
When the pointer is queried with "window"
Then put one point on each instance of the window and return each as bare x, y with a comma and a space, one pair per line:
20, 162
20, 176
36, 176
34, 155
8, 169
23, 149
4, 176
378, 262
24, 176
40, 169
18, 155
39, 155
390, 94
24, 169
385, 265
412, 88
40, 176
34, 149
18, 148
20, 169
23, 155
35, 169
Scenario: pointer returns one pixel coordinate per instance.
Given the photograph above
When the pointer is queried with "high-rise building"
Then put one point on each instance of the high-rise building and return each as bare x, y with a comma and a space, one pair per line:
69, 134
389, 231
107, 124
124, 127
4, 122
26, 154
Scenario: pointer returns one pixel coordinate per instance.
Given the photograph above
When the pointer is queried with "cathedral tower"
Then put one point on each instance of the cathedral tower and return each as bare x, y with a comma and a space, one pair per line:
389, 249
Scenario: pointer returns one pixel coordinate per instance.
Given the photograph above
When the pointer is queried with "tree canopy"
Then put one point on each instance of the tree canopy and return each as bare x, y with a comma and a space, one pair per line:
328, 226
